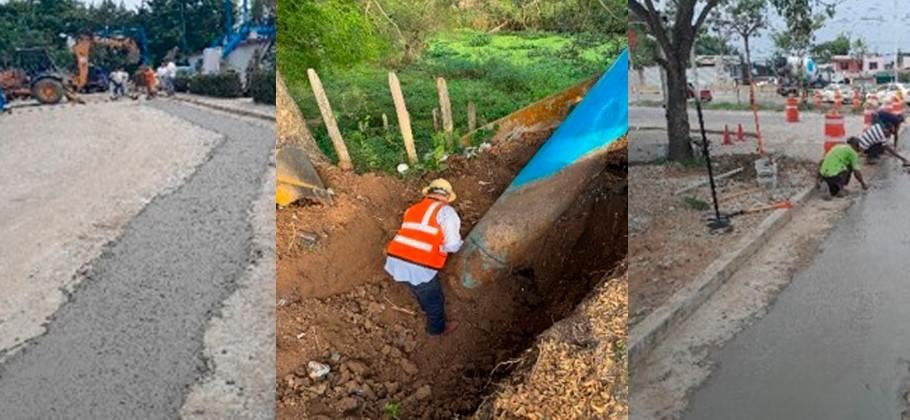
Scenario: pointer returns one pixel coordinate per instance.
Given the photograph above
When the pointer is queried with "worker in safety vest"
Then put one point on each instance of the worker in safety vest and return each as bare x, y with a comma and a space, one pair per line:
430, 231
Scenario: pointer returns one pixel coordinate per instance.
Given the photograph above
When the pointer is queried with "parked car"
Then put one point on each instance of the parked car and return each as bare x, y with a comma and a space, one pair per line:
830, 92
704, 95
889, 91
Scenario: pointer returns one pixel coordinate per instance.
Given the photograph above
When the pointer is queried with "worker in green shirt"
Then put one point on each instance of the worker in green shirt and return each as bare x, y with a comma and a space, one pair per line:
839, 164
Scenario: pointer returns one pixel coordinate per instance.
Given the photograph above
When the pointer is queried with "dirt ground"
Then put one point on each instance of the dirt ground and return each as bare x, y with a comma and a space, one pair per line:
337, 306
669, 243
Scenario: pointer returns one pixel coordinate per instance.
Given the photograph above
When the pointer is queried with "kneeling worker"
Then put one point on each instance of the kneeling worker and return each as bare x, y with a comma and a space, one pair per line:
839, 164
874, 140
429, 232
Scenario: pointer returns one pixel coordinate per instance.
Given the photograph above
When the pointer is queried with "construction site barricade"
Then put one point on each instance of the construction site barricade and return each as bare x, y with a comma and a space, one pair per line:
792, 113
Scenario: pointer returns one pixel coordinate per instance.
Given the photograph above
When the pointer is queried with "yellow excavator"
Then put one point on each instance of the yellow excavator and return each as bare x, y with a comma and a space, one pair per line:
134, 46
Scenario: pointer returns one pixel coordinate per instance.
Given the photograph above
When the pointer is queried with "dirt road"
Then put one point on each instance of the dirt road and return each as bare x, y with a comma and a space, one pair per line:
835, 344
131, 230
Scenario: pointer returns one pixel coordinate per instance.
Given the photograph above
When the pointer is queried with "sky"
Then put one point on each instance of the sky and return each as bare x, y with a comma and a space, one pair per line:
883, 26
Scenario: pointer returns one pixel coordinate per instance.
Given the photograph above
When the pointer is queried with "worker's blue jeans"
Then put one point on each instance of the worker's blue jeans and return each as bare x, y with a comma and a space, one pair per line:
433, 303
2, 100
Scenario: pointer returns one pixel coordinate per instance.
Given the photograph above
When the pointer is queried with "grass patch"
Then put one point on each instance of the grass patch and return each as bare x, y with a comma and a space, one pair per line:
500, 73
696, 203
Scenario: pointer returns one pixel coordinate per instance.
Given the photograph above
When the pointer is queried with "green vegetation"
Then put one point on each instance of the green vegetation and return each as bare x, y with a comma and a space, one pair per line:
499, 73
31, 23
695, 203
262, 86
221, 85
499, 54
392, 409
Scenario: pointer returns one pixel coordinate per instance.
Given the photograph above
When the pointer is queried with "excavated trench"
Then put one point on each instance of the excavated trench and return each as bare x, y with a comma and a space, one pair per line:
381, 360
337, 307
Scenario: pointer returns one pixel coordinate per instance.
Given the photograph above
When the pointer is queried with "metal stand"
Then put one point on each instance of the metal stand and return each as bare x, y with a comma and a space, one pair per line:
720, 222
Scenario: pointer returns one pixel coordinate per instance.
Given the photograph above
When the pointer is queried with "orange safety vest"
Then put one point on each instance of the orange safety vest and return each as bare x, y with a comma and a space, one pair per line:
420, 238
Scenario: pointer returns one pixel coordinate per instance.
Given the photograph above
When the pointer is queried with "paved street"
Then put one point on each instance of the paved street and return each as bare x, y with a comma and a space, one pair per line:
804, 139
836, 344
130, 236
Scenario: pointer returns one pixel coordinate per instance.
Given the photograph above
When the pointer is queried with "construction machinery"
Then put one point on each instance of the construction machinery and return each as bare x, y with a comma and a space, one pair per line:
34, 75
130, 40
795, 73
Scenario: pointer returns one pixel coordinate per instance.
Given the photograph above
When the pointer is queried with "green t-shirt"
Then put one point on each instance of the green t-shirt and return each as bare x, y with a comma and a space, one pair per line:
838, 159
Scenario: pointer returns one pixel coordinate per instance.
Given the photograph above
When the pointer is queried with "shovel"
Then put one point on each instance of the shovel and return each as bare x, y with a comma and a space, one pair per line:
783, 204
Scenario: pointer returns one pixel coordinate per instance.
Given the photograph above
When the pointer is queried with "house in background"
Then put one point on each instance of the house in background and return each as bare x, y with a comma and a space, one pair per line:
847, 67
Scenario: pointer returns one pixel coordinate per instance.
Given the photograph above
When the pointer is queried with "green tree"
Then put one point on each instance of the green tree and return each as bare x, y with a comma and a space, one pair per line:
744, 19
802, 18
823, 52
713, 45
675, 29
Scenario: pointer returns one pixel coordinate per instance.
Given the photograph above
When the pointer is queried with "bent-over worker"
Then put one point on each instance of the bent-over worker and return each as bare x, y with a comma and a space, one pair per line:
429, 232
839, 164
874, 140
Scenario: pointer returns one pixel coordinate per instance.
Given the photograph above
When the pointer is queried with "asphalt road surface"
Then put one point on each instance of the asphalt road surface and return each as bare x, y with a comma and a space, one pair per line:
804, 139
128, 341
836, 344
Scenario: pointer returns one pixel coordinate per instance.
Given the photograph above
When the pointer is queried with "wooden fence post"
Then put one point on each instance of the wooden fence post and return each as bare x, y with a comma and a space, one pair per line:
385, 122
404, 120
445, 107
344, 159
472, 117
435, 120
472, 124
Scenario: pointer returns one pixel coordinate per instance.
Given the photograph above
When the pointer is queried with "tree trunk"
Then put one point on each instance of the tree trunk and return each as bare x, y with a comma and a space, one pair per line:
680, 147
291, 125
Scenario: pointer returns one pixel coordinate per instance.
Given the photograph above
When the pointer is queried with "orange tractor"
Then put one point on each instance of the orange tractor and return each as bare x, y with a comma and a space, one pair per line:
35, 75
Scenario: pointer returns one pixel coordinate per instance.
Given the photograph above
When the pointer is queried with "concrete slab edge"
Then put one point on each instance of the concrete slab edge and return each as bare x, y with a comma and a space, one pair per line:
227, 109
656, 326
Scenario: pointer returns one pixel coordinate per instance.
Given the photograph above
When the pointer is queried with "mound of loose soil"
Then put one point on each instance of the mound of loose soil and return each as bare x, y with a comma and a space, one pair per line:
576, 369
337, 306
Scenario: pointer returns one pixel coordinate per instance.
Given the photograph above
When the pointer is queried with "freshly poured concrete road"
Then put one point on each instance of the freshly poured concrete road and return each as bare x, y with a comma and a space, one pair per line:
129, 342
836, 344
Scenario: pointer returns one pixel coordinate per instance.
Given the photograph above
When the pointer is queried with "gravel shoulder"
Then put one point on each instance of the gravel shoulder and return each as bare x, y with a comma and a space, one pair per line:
130, 341
70, 180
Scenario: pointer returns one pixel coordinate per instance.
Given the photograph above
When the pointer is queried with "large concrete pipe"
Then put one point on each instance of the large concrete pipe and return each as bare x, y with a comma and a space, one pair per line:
550, 182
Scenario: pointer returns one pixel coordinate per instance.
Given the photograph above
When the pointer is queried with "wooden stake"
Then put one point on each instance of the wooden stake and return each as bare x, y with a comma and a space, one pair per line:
445, 106
436, 119
472, 125
385, 122
344, 159
472, 117
404, 120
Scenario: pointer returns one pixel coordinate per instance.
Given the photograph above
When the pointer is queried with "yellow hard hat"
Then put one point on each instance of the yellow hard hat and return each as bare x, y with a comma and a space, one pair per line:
440, 184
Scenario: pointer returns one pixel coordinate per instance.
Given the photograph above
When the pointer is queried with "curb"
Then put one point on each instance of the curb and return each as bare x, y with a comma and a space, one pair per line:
231, 110
656, 326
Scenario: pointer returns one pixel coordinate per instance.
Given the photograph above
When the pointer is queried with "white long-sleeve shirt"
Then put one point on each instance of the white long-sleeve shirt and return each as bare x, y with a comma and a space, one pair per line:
408, 272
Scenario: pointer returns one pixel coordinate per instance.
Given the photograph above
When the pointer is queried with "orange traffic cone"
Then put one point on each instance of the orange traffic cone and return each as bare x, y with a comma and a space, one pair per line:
727, 140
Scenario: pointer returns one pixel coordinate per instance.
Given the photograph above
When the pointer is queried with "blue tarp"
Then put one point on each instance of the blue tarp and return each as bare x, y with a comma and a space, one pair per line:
601, 118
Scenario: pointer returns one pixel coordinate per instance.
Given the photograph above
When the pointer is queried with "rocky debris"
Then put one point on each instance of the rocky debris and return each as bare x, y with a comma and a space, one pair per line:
318, 389
391, 388
357, 367
408, 367
317, 370
423, 393
346, 405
